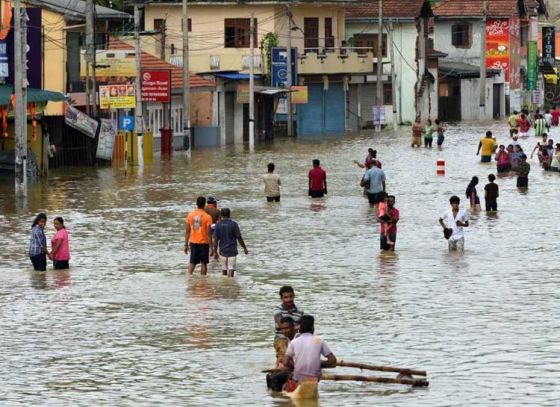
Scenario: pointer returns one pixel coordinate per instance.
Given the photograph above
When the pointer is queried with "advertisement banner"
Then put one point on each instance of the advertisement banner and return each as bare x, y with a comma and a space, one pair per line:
498, 45
515, 53
117, 97
156, 86
299, 95
107, 134
34, 49
80, 121
242, 93
117, 63
532, 65
279, 69
548, 45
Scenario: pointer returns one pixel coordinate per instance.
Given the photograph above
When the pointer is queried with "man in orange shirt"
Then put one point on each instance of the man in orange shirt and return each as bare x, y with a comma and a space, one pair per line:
198, 237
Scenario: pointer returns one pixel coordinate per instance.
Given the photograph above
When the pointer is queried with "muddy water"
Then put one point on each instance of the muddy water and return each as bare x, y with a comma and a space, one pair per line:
126, 326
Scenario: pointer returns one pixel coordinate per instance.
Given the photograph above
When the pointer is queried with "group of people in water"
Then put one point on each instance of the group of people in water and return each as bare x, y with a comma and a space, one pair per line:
60, 246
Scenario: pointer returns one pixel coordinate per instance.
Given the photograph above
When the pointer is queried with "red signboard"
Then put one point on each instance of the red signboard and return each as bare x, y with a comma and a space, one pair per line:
156, 86
498, 45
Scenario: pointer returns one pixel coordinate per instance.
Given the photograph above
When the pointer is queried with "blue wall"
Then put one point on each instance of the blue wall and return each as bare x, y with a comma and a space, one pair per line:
324, 112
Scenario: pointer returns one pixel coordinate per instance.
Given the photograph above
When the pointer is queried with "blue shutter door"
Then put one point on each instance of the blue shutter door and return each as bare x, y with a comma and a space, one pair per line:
310, 115
334, 109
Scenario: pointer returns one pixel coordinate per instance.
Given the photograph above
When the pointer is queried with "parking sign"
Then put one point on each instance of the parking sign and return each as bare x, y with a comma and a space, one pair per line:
126, 123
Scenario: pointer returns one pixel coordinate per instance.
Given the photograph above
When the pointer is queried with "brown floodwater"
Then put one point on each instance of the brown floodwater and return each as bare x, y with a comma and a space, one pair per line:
126, 325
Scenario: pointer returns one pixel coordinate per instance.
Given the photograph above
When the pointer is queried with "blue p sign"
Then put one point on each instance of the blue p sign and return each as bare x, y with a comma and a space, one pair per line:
126, 123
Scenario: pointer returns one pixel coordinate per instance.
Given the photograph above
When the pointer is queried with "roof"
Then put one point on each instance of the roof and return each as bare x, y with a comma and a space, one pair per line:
235, 76
148, 61
76, 9
237, 2
33, 95
462, 70
474, 8
405, 9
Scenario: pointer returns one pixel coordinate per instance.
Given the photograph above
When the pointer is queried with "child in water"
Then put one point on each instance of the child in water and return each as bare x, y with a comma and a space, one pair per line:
428, 134
384, 216
440, 137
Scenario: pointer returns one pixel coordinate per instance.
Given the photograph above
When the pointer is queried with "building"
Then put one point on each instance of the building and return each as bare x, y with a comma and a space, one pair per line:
410, 63
511, 80
219, 46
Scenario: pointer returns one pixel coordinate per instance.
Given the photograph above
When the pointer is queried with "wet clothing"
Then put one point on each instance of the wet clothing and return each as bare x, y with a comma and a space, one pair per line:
451, 221
38, 241
555, 117
524, 126
428, 135
280, 312
227, 234
199, 222
63, 252
306, 351
271, 185
376, 178
214, 212
61, 264
491, 196
317, 177
39, 262
540, 127
523, 175
503, 163
487, 147
200, 253
470, 190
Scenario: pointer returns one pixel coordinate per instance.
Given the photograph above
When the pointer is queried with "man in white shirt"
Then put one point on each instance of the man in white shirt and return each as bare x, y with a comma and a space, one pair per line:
455, 219
305, 351
272, 185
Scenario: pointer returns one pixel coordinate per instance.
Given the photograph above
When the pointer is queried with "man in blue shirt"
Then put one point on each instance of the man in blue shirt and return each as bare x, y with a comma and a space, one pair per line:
226, 236
375, 177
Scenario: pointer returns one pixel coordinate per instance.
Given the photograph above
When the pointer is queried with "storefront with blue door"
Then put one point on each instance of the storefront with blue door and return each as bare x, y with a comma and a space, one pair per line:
324, 112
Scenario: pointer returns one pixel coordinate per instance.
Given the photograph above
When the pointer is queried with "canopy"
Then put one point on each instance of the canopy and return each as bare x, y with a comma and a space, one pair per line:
33, 95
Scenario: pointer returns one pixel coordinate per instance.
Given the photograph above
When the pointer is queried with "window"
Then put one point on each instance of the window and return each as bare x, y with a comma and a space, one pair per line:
524, 35
159, 24
387, 94
461, 35
364, 43
311, 34
329, 38
236, 32
189, 22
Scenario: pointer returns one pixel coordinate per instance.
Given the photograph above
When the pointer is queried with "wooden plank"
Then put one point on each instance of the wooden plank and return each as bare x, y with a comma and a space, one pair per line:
375, 379
364, 366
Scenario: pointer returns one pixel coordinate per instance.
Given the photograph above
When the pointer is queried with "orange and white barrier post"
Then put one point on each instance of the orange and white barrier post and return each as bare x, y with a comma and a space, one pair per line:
440, 167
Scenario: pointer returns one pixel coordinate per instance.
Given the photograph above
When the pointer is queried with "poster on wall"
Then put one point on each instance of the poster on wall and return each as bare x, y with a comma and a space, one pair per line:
117, 97
300, 95
107, 134
548, 45
80, 121
498, 45
532, 65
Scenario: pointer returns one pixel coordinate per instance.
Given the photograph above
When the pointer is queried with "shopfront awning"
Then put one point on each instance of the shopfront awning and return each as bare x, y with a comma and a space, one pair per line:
235, 76
33, 95
266, 90
462, 70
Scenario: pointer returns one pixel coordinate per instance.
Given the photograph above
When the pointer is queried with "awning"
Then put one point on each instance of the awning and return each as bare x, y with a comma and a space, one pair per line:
462, 70
235, 76
33, 95
267, 90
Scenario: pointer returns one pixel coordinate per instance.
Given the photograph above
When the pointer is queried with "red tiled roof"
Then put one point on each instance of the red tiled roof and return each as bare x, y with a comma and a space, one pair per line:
391, 8
149, 61
473, 8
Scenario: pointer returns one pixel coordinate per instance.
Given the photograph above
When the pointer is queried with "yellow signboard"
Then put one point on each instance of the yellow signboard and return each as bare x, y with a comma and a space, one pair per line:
242, 93
111, 63
117, 97
299, 95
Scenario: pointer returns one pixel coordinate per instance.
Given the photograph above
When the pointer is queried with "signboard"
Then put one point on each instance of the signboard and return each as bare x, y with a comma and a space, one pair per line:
126, 123
548, 45
80, 121
117, 97
107, 133
515, 54
242, 93
4, 68
299, 95
498, 45
34, 49
378, 115
532, 65
156, 86
111, 63
279, 62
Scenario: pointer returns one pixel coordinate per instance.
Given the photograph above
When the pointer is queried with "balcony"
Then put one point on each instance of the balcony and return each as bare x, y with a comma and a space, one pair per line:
220, 62
335, 61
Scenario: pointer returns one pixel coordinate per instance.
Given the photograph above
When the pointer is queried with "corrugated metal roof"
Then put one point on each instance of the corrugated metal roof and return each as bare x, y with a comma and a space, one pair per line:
391, 9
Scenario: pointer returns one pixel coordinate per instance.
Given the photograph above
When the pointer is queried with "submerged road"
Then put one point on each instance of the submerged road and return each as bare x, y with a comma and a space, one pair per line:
126, 326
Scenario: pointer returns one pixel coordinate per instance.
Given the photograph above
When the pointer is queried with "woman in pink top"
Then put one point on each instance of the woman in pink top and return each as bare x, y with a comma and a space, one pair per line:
60, 249
524, 125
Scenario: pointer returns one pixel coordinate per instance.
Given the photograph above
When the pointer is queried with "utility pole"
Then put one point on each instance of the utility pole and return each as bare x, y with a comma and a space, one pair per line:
139, 122
379, 81
289, 72
252, 83
89, 55
20, 85
186, 84
482, 82
396, 108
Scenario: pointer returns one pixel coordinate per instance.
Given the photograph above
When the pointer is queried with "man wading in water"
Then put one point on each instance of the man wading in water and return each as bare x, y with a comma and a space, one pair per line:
276, 380
456, 220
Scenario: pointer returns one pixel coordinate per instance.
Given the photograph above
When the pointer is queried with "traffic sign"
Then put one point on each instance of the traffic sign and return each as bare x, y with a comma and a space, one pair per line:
126, 123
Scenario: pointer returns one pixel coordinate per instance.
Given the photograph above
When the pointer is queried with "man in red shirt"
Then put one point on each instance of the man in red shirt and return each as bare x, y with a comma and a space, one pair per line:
317, 180
555, 116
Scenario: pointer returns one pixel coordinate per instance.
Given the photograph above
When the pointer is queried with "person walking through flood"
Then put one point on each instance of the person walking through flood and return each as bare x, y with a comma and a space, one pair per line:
271, 184
524, 125
60, 247
276, 380
503, 164
226, 236
523, 170
455, 219
440, 134
513, 122
417, 133
212, 209
491, 194
388, 219
287, 308
486, 148
38, 243
374, 181
317, 180
472, 194
428, 134
540, 125
198, 237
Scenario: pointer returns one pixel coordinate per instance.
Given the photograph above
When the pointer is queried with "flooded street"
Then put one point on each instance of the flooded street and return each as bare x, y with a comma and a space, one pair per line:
126, 325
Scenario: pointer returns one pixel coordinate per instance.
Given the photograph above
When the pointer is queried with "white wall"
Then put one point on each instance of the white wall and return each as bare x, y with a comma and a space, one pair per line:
469, 92
442, 41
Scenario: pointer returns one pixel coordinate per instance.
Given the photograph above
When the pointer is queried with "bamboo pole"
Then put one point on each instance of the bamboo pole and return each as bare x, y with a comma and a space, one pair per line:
364, 366
375, 379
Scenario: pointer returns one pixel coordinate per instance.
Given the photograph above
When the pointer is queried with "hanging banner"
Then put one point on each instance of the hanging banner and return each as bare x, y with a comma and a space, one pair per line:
156, 86
34, 54
498, 45
4, 67
80, 121
107, 134
515, 54
117, 97
532, 65
548, 45
111, 63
